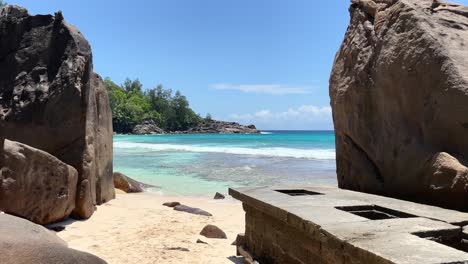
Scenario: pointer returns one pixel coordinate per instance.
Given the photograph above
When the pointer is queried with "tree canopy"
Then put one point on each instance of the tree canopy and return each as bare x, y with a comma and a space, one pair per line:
131, 105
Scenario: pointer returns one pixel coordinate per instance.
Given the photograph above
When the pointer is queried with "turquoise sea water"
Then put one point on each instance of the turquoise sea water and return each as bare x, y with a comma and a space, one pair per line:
200, 165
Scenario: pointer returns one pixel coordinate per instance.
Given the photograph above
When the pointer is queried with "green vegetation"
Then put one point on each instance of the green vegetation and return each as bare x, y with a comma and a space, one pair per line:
131, 105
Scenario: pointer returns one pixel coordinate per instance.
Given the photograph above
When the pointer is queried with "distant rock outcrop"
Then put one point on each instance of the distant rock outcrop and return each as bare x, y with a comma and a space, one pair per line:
23, 242
51, 100
147, 127
399, 93
220, 127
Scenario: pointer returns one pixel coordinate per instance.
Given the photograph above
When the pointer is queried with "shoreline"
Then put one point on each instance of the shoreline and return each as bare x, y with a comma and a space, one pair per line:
137, 228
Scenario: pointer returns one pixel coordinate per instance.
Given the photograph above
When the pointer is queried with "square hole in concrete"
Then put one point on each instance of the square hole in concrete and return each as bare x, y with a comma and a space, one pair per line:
448, 239
298, 192
374, 212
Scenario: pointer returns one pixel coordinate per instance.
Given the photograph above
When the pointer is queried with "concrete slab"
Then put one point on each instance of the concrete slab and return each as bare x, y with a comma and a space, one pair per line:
333, 195
344, 237
410, 249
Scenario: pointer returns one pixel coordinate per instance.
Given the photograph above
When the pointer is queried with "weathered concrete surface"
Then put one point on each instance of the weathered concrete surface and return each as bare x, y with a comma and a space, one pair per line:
399, 94
324, 234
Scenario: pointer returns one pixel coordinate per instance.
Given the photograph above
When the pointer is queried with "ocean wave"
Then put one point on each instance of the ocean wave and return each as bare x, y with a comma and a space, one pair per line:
319, 154
266, 133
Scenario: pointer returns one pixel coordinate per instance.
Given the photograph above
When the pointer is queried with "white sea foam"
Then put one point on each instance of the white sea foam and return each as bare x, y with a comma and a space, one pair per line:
320, 154
266, 133
247, 168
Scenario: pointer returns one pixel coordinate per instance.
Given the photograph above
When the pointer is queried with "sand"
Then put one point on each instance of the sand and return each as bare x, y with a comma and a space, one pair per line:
136, 228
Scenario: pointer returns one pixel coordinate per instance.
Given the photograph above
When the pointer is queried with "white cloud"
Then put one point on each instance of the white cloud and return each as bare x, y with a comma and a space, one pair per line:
302, 112
275, 89
302, 117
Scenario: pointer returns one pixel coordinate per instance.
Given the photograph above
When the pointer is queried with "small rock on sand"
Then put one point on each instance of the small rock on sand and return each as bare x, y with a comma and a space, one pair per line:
199, 241
219, 196
171, 204
212, 231
56, 228
191, 210
177, 249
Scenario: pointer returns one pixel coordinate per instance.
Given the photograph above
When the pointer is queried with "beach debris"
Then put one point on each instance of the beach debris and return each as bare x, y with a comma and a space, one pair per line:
171, 204
177, 249
199, 241
191, 210
219, 196
127, 184
212, 231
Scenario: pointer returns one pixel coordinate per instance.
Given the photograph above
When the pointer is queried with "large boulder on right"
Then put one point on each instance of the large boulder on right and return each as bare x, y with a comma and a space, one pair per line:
23, 242
399, 94
50, 99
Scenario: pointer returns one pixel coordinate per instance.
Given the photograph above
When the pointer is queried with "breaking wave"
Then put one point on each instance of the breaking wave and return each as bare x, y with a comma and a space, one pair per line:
318, 154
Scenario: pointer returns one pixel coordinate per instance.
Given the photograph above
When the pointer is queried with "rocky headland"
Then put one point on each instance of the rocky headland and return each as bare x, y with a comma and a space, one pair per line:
207, 126
147, 127
399, 93
220, 127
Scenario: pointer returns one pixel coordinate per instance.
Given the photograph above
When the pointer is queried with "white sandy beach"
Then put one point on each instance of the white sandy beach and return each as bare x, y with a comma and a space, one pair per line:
136, 228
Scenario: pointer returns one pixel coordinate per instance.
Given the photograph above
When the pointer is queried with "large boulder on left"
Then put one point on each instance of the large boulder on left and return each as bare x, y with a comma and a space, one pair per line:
50, 99
23, 242
35, 185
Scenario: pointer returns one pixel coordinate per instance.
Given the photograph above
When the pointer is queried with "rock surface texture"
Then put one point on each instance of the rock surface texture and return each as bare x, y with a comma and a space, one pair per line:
212, 231
127, 184
219, 196
191, 210
220, 127
35, 185
399, 93
171, 204
147, 127
23, 242
51, 100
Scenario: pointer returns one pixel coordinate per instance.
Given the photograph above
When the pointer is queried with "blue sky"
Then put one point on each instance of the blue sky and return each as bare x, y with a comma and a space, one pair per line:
265, 62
